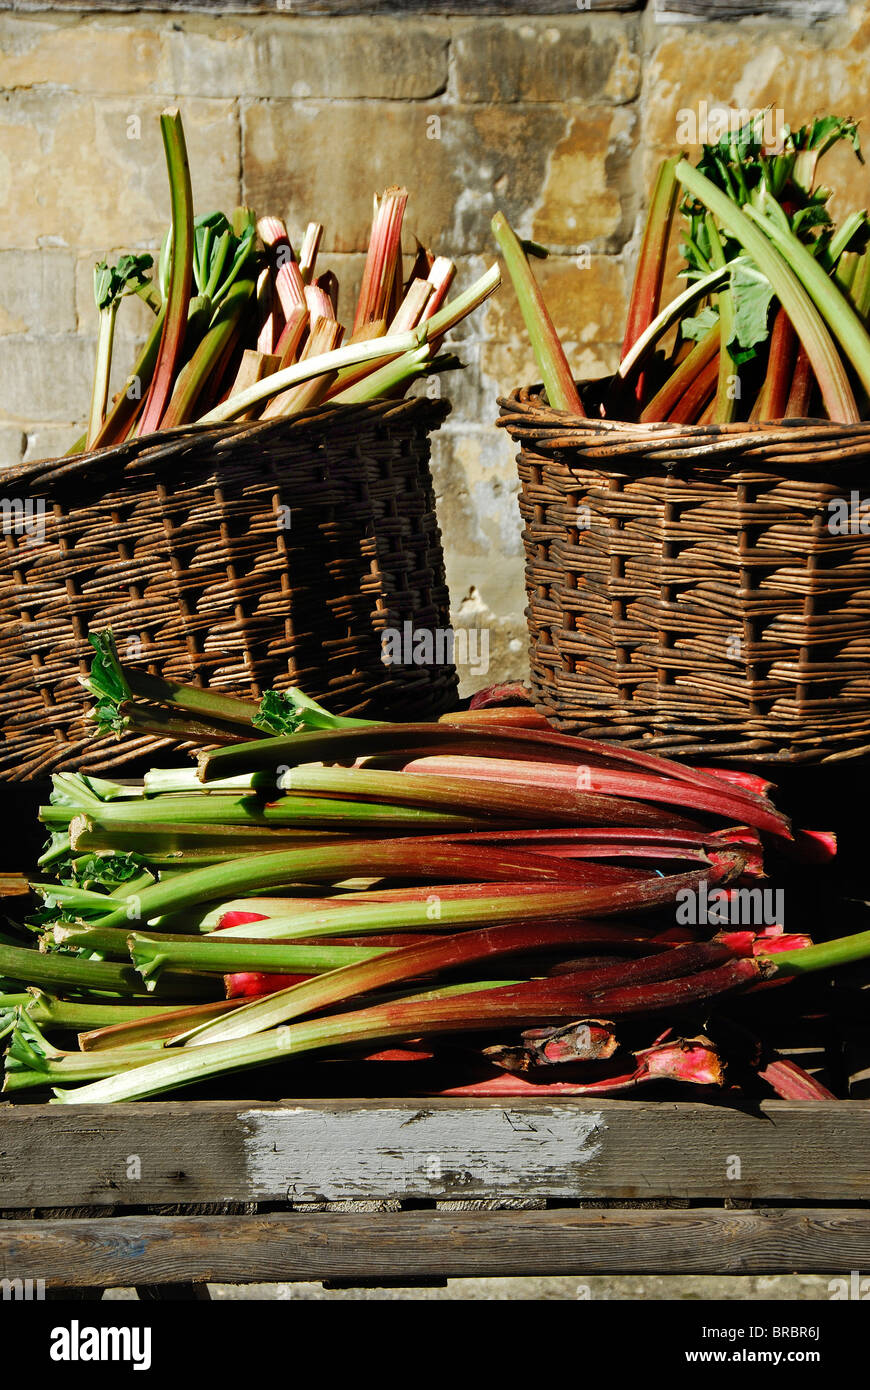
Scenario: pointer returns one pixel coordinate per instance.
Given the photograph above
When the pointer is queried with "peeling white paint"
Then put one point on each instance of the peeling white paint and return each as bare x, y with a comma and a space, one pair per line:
407, 1150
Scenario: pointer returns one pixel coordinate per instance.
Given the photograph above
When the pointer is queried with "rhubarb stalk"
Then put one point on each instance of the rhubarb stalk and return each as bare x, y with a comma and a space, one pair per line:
550, 356
181, 274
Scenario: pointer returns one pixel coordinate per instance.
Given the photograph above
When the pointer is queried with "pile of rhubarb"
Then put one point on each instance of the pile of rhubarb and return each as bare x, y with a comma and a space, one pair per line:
772, 322
246, 328
513, 909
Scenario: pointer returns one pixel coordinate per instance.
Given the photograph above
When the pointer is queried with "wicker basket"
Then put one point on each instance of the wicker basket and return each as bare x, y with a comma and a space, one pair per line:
689, 587
243, 557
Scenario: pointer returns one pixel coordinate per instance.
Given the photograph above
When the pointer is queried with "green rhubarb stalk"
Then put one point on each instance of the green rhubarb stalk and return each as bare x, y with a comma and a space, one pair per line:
438, 324
10, 1002
163, 845
672, 312
292, 810
112, 681
727, 388
185, 950
165, 723
807, 322
292, 711
350, 355
462, 948
826, 955
157, 1022
61, 1069
649, 275
386, 379
67, 972
550, 356
832, 305
861, 286
111, 284
70, 898
163, 781
212, 955
526, 1005
844, 273
330, 863
181, 272
837, 246
50, 1012
197, 373
432, 914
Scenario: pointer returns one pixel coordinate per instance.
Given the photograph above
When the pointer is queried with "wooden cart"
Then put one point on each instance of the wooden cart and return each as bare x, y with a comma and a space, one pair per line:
170, 1195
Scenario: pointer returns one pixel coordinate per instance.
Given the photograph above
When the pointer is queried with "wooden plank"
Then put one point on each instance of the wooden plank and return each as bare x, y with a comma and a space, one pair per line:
314, 1150
806, 11
415, 1245
328, 7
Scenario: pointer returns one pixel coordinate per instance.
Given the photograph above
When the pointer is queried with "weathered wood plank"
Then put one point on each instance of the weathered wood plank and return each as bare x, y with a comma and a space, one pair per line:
329, 7
807, 11
418, 1245
175, 1153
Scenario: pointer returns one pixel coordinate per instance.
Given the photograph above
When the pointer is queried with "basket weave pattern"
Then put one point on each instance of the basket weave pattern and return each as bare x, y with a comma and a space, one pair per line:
686, 590
244, 558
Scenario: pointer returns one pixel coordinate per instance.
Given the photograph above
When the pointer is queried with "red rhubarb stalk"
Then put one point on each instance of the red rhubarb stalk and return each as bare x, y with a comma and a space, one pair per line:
649, 275
693, 1060
791, 1082
567, 780
529, 1005
383, 261
773, 398
798, 403
692, 403
464, 949
678, 383
341, 745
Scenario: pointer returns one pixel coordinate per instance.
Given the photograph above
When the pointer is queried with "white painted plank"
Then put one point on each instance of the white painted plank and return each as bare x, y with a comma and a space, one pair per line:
417, 1152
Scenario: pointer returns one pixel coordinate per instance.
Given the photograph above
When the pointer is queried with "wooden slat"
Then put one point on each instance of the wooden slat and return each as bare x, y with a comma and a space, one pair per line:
418, 1245
809, 11
328, 7
175, 1153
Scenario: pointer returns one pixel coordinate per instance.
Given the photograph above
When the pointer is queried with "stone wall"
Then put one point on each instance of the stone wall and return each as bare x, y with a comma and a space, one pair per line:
556, 117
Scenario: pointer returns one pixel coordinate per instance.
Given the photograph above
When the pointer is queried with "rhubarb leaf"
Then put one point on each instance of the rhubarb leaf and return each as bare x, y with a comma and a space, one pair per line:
698, 326
751, 295
291, 712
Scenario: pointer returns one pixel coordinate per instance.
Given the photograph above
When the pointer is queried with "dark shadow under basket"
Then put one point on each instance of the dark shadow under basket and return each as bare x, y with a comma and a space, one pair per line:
698, 590
242, 557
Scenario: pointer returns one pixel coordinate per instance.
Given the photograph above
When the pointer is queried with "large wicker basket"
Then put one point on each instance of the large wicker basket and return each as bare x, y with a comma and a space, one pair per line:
243, 557
700, 590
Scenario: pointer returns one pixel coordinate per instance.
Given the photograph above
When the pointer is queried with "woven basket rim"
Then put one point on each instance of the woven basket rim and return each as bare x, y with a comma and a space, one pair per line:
153, 450
530, 399
778, 444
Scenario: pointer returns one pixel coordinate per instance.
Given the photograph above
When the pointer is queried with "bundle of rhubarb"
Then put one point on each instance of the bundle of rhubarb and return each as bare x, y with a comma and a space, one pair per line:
514, 903
245, 328
773, 322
